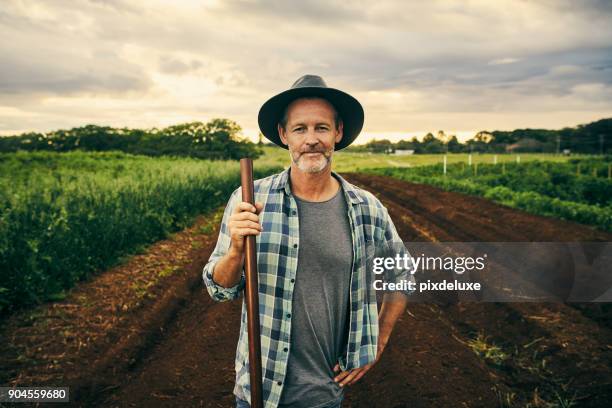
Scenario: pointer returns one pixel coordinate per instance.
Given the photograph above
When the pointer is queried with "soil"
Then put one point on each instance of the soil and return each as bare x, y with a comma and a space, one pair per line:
176, 347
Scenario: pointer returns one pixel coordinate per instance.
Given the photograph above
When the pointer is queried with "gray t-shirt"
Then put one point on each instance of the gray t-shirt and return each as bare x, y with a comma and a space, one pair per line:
320, 303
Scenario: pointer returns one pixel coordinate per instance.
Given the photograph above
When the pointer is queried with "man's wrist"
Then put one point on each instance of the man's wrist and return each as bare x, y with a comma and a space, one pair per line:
235, 254
382, 341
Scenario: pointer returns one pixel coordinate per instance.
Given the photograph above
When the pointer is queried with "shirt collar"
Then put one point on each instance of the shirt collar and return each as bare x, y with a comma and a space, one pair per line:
350, 192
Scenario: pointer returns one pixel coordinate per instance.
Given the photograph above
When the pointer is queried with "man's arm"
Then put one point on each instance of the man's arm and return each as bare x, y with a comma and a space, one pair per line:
228, 270
394, 302
393, 306
224, 273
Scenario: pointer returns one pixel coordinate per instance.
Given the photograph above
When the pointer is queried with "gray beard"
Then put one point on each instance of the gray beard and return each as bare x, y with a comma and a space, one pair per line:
312, 170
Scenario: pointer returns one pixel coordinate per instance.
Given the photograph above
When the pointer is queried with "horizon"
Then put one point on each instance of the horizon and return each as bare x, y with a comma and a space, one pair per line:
362, 139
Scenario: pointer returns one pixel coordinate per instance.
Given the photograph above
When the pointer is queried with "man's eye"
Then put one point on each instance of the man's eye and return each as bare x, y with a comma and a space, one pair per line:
322, 128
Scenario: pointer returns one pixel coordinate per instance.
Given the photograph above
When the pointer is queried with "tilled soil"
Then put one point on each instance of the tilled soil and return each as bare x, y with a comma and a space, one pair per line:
538, 354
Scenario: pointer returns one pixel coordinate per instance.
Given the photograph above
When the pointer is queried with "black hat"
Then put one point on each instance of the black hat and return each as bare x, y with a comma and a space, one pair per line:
349, 109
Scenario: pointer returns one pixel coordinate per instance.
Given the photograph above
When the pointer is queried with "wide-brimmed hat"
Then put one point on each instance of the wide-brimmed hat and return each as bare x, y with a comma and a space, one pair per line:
349, 109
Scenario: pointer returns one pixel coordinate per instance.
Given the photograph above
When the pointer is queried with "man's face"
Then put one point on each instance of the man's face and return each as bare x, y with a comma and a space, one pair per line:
310, 133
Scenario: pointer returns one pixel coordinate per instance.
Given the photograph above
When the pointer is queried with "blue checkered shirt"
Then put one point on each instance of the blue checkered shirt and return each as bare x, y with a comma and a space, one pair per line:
277, 263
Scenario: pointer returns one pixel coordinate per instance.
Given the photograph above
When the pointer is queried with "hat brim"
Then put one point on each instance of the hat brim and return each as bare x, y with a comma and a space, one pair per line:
349, 109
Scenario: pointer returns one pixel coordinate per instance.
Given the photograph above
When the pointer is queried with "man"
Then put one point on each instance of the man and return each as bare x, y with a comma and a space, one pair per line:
320, 327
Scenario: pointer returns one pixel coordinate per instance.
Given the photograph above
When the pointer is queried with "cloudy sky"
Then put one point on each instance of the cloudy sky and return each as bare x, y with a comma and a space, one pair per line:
460, 66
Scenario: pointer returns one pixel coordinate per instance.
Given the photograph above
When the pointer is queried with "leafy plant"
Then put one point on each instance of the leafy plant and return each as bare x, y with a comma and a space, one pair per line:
64, 216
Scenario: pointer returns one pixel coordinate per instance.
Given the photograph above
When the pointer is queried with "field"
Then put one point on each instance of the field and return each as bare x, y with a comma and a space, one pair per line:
350, 161
146, 333
577, 190
64, 216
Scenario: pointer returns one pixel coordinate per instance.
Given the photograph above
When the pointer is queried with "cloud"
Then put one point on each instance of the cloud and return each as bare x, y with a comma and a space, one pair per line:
40, 59
314, 11
172, 65
414, 65
501, 61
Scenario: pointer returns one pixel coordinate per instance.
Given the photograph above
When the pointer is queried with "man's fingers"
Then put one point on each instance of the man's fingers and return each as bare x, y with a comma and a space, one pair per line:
244, 206
341, 376
350, 376
336, 368
244, 215
244, 221
247, 224
242, 232
358, 376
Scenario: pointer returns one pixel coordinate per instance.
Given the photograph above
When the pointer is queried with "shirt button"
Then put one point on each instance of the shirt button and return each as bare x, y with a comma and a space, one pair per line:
292, 280
280, 383
293, 212
285, 349
295, 245
288, 314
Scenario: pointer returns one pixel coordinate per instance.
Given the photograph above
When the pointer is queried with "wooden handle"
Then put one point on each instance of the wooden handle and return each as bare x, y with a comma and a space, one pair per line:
251, 290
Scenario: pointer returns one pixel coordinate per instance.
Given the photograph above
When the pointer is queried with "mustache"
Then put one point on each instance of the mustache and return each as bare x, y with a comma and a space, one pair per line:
313, 151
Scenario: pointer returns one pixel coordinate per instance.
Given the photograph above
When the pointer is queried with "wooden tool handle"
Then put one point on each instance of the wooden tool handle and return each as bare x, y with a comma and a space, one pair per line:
251, 290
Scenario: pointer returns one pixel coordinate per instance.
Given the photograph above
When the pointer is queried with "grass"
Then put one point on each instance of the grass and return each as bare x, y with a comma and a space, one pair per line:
350, 162
551, 392
488, 351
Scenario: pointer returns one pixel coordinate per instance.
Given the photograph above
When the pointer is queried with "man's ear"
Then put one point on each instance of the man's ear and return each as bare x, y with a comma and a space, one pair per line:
340, 131
281, 134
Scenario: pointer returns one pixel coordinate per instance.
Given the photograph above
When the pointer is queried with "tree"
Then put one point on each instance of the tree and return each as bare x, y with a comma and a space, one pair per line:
484, 136
404, 145
453, 145
380, 146
431, 145
441, 136
220, 140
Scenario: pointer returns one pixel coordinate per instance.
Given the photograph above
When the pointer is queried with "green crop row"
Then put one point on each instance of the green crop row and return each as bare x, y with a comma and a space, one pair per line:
530, 201
64, 216
586, 182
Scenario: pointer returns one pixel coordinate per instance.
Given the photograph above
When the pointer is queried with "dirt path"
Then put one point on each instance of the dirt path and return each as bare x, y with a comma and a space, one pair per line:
538, 353
572, 355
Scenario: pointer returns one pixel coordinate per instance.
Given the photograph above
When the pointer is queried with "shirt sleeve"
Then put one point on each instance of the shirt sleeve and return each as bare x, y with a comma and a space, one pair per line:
216, 291
393, 247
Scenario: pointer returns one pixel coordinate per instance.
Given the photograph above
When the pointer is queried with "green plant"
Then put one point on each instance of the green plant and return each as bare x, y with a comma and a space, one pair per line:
65, 216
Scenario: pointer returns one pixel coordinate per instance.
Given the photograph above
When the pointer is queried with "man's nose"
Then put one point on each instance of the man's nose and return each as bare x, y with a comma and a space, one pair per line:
311, 138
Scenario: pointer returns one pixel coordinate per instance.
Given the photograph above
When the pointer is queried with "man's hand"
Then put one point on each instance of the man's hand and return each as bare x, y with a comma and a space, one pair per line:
391, 309
243, 221
352, 376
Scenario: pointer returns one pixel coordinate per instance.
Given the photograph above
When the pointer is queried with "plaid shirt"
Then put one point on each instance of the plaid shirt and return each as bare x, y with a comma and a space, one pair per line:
277, 263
